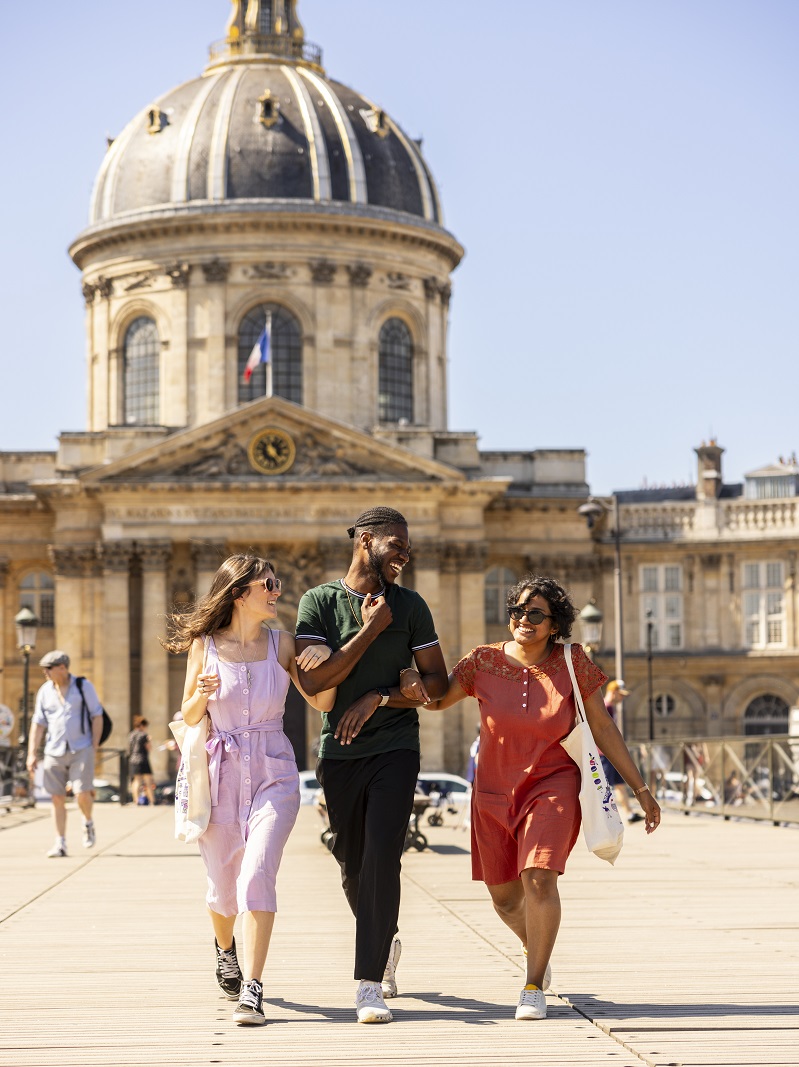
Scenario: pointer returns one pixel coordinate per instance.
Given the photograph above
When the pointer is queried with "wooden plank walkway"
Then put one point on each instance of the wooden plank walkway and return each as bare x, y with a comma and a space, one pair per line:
687, 953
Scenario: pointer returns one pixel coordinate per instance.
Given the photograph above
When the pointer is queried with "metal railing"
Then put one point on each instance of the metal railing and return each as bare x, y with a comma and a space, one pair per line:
753, 777
266, 44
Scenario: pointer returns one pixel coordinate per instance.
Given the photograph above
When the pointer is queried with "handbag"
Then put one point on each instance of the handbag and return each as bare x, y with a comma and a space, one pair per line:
192, 787
602, 826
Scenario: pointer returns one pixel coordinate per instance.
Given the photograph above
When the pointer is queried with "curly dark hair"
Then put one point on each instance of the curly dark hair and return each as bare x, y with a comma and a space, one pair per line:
563, 611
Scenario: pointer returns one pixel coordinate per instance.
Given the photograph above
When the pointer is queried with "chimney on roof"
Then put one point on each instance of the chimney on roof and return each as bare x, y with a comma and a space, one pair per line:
708, 481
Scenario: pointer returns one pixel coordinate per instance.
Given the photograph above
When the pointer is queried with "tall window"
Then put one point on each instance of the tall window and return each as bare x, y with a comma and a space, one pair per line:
36, 591
395, 374
764, 605
661, 604
141, 356
285, 354
497, 583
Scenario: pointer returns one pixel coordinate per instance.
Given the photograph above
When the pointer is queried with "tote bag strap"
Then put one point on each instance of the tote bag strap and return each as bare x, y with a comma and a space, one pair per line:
578, 696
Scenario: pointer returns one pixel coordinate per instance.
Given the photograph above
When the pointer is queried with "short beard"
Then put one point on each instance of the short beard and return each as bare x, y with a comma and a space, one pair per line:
374, 566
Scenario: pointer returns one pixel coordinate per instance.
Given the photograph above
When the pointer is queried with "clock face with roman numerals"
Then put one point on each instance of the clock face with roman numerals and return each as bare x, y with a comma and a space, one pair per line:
271, 451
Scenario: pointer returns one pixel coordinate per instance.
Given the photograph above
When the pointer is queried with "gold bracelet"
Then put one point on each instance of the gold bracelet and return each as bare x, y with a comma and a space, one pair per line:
643, 789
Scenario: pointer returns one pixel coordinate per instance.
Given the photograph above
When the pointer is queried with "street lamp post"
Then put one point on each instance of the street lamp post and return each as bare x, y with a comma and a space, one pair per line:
591, 511
26, 623
590, 619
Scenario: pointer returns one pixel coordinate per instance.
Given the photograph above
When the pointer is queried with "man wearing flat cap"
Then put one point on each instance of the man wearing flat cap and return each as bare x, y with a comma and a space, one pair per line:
71, 738
369, 749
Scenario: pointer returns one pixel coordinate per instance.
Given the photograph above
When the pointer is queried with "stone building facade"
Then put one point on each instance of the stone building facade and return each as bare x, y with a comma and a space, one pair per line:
264, 197
711, 568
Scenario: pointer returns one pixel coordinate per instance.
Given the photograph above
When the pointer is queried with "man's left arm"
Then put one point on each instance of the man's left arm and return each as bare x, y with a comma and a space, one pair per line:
433, 671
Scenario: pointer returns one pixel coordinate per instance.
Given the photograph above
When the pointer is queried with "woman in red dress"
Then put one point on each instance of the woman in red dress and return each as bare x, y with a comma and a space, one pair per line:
525, 808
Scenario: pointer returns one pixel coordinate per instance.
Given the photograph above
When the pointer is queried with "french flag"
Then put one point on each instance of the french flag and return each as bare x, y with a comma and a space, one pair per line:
260, 351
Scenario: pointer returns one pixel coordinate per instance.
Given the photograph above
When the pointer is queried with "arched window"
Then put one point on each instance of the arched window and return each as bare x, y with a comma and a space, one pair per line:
497, 583
766, 714
285, 353
142, 352
395, 373
36, 591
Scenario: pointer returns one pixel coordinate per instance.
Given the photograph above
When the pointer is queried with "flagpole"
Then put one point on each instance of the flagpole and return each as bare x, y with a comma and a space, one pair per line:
268, 328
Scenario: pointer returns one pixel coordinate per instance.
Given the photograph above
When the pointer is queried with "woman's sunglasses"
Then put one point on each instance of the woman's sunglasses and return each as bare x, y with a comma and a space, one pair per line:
269, 584
534, 615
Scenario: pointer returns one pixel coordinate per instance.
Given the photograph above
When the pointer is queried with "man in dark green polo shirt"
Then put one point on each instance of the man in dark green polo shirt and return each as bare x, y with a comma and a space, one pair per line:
369, 751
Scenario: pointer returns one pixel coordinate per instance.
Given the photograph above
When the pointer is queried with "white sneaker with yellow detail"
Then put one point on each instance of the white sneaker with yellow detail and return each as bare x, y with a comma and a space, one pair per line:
532, 1004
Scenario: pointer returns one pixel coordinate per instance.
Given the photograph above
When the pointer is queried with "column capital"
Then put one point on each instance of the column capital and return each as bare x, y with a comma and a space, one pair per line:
464, 556
73, 561
154, 555
427, 555
208, 555
115, 556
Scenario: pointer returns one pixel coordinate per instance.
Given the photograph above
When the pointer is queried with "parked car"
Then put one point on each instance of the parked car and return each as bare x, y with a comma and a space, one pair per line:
452, 785
105, 792
308, 786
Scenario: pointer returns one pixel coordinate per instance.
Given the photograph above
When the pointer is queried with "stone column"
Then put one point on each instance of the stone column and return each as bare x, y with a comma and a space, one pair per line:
427, 557
208, 555
155, 556
336, 555
466, 561
74, 614
115, 636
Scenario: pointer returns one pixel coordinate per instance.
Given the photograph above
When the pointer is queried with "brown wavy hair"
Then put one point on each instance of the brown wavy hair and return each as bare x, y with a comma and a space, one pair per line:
214, 611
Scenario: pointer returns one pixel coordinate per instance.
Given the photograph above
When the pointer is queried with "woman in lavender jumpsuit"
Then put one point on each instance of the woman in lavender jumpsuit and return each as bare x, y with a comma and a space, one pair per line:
238, 673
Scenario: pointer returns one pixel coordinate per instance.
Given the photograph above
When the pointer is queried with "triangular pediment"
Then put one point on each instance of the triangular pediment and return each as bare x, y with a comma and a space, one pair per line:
271, 440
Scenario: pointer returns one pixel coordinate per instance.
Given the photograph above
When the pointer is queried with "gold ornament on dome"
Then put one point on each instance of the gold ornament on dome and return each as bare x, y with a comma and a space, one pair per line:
271, 451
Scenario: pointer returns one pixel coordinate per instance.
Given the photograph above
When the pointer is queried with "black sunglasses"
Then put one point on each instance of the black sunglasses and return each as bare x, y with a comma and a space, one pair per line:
533, 615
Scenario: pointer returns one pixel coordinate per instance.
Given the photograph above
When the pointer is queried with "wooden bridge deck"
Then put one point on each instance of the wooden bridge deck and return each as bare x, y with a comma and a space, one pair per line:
686, 953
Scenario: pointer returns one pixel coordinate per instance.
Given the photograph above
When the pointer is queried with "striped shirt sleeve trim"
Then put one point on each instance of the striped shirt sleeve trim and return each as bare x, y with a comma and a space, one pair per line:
430, 644
309, 637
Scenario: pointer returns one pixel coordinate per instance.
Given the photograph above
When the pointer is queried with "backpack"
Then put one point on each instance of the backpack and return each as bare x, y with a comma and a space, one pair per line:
86, 719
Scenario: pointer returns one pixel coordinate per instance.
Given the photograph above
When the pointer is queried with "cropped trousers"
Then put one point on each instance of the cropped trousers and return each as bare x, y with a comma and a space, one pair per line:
369, 802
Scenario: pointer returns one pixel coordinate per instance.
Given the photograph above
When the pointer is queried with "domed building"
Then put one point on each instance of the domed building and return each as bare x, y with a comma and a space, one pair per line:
264, 203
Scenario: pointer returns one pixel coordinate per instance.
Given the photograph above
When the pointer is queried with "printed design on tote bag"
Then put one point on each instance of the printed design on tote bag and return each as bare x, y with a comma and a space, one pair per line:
608, 801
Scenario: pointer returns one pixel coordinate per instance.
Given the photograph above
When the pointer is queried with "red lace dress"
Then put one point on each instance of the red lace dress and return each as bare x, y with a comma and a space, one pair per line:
525, 811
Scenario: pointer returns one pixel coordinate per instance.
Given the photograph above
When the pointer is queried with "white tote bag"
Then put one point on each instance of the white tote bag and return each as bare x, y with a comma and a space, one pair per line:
602, 825
192, 788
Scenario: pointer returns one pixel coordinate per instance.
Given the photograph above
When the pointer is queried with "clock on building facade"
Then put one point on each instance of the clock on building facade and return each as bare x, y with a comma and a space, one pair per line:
271, 451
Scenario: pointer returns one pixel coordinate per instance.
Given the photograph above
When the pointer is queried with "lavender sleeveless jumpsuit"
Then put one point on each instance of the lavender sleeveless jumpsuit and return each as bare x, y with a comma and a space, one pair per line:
255, 792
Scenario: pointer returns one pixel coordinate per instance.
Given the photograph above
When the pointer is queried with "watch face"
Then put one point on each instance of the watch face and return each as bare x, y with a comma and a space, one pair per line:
271, 451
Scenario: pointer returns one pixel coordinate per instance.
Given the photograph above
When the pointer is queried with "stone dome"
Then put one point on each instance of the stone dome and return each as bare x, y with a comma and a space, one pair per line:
263, 126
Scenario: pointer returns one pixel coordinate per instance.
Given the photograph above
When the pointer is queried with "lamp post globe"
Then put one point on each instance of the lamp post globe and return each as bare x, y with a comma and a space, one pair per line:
27, 624
590, 619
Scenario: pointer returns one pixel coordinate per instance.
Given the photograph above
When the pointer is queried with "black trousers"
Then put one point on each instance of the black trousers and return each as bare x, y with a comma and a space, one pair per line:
369, 802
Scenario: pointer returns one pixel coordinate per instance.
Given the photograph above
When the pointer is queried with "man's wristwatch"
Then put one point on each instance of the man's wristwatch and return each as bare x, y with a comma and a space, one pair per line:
385, 695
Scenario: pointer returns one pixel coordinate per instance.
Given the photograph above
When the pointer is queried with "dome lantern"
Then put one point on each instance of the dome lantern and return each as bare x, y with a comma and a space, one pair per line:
268, 28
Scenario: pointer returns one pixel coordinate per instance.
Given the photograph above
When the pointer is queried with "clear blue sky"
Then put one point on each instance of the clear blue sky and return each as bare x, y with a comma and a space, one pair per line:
623, 175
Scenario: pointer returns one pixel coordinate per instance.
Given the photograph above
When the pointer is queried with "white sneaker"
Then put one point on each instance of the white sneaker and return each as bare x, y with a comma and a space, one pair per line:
547, 972
89, 835
58, 849
532, 1005
369, 1004
389, 983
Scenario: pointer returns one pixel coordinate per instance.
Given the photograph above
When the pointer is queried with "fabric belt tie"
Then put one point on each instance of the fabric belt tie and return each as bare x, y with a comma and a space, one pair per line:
229, 741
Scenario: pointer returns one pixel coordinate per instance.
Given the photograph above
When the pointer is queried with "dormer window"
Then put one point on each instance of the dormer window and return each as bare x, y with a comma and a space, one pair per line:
268, 110
376, 121
156, 119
